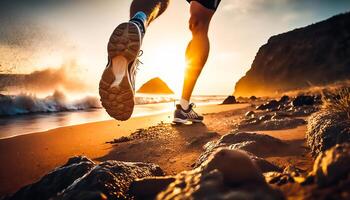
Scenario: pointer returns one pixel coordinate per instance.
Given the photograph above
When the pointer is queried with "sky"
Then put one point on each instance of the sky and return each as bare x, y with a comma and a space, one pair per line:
40, 34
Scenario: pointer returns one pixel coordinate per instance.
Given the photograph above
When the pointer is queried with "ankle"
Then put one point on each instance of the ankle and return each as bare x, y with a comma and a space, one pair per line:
184, 104
140, 18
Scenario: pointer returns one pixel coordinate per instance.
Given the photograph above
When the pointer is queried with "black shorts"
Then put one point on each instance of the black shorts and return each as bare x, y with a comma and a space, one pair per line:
210, 4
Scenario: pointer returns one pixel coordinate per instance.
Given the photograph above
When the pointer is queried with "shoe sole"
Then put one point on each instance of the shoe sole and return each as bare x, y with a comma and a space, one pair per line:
184, 121
115, 88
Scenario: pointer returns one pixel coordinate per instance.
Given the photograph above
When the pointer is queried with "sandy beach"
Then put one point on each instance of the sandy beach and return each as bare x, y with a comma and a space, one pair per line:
275, 139
233, 100
27, 158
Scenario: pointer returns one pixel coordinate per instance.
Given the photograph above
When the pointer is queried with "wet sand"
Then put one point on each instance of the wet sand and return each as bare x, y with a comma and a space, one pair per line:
24, 159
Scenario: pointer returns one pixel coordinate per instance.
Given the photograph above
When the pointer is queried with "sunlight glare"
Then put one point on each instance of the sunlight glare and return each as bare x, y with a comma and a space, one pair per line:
168, 64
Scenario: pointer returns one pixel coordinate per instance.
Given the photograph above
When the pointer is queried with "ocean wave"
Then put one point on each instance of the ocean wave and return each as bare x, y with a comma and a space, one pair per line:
139, 100
57, 102
151, 99
23, 103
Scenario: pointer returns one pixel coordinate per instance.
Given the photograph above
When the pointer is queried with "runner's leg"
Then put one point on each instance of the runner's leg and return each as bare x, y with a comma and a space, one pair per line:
197, 49
152, 8
117, 84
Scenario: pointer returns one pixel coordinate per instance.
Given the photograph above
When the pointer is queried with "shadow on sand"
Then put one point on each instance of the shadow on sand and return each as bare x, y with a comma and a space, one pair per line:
173, 147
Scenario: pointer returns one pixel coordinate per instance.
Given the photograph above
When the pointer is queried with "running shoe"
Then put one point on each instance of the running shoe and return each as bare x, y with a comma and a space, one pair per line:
117, 84
183, 116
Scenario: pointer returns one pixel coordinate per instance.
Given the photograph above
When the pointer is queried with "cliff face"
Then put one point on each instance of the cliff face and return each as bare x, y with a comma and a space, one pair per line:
318, 54
155, 86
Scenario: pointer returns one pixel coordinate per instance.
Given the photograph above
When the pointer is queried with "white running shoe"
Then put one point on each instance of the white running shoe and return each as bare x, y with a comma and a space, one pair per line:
117, 84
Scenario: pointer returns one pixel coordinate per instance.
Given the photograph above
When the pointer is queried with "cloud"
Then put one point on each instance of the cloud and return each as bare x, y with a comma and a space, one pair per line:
247, 6
66, 77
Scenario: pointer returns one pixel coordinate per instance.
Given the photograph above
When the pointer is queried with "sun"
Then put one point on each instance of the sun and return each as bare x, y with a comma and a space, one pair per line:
168, 63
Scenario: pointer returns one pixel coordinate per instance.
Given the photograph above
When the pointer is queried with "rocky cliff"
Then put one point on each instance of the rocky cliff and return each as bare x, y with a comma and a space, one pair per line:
318, 54
155, 86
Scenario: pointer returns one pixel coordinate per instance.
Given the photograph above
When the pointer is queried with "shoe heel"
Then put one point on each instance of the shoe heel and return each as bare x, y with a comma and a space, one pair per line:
125, 41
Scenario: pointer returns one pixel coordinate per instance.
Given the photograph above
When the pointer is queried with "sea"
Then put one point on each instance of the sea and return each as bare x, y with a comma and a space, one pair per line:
26, 114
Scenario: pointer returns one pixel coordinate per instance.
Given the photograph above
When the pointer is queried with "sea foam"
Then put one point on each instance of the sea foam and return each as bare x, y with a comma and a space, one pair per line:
57, 102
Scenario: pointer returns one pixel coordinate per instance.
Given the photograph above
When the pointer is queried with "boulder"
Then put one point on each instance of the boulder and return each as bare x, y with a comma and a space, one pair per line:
284, 99
265, 117
236, 167
252, 143
55, 181
326, 129
302, 111
268, 122
80, 178
249, 114
278, 178
226, 174
149, 187
331, 174
332, 165
290, 174
280, 115
271, 105
303, 100
230, 100
253, 98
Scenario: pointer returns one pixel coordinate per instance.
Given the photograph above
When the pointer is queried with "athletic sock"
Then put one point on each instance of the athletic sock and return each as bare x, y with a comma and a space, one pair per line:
184, 104
140, 18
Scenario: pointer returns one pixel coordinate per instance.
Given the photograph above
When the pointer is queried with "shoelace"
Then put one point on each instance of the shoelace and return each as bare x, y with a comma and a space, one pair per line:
192, 112
136, 68
138, 61
193, 105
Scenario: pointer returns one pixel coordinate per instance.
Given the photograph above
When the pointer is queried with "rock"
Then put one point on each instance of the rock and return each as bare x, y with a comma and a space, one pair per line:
265, 117
227, 174
284, 99
302, 111
293, 171
250, 114
155, 86
56, 181
112, 179
280, 124
268, 122
326, 129
332, 165
253, 98
149, 187
278, 178
271, 105
280, 115
120, 140
258, 144
303, 100
235, 166
290, 174
80, 178
294, 59
330, 177
230, 100
264, 165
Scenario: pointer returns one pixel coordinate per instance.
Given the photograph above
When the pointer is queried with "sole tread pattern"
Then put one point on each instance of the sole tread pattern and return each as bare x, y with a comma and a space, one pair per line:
119, 100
